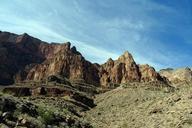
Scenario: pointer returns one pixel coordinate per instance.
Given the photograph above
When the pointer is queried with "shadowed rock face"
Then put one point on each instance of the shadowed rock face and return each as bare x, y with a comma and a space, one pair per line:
27, 58
19, 52
14, 57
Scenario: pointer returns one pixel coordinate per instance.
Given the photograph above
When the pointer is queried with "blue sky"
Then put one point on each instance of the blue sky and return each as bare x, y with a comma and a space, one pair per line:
157, 32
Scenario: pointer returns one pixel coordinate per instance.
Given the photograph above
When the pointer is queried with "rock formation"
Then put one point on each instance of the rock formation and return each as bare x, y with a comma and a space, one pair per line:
68, 63
177, 75
124, 70
19, 52
148, 74
27, 58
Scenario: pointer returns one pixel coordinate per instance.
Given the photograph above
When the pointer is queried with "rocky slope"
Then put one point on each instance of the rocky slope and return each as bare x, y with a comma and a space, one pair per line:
27, 58
40, 112
141, 107
177, 75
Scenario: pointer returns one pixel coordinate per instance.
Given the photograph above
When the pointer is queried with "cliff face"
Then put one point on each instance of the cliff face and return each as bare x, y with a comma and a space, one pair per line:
68, 63
148, 74
27, 58
124, 70
22, 52
15, 55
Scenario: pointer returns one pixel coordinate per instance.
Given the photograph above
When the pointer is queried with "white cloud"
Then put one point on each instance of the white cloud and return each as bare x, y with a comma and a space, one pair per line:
99, 29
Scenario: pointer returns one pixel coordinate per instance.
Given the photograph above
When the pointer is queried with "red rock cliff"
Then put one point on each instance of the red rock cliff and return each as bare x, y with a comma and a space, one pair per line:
27, 58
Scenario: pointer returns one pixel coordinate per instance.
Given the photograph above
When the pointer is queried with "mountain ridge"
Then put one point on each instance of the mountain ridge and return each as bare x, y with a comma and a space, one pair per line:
35, 60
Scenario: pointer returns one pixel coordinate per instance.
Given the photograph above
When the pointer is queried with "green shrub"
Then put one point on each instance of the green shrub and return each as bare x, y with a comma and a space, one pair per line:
46, 115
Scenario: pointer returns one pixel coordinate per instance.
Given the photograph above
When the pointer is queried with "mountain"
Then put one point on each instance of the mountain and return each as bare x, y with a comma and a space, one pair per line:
27, 58
19, 52
124, 70
68, 63
55, 86
177, 75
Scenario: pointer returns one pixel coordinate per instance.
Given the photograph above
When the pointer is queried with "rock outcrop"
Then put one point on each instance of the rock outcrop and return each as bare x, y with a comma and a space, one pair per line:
49, 92
68, 63
20, 53
177, 75
28, 113
27, 58
124, 70
148, 74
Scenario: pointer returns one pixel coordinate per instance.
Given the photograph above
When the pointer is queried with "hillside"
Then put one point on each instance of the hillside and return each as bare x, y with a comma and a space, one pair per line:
176, 76
48, 85
143, 107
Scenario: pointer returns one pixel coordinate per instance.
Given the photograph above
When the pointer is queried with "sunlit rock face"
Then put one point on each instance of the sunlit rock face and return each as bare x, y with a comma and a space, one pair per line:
68, 63
124, 70
148, 74
26, 58
177, 75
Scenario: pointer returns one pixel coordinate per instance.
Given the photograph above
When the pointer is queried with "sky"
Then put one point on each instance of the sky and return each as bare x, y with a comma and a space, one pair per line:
155, 32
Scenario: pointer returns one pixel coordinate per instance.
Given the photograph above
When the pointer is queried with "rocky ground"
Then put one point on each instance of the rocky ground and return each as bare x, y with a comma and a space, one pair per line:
134, 105
39, 112
143, 107
55, 103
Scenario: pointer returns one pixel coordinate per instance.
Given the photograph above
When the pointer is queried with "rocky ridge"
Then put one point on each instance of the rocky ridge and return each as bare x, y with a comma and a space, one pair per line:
125, 70
27, 58
177, 75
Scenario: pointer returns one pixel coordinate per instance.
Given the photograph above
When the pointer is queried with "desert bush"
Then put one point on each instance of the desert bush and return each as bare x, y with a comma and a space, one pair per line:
46, 115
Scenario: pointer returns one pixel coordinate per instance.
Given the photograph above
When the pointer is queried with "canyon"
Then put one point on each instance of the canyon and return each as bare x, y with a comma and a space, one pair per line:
45, 85
27, 58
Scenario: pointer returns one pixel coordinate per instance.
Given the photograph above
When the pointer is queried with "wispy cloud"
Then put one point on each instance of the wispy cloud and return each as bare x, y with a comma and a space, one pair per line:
36, 29
102, 29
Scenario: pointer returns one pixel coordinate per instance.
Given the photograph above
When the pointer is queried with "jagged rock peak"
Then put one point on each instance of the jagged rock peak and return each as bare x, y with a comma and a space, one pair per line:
126, 57
41, 59
126, 54
23, 38
188, 69
25, 34
68, 45
74, 50
110, 60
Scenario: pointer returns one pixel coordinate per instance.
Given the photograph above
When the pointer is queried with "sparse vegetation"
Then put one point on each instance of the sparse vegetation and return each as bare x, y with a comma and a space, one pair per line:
46, 114
138, 107
40, 112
